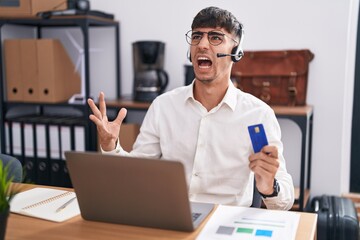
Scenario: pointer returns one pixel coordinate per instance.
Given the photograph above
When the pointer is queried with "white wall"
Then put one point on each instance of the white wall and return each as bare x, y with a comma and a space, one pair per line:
326, 27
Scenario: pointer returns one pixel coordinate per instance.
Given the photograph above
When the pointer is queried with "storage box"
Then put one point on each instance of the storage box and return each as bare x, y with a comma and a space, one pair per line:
27, 8
39, 70
127, 136
13, 74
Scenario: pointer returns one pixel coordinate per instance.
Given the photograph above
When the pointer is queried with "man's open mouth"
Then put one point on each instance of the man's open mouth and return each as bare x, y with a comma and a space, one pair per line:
204, 62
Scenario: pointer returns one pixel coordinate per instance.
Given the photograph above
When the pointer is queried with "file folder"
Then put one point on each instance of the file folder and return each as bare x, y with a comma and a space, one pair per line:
16, 138
13, 76
29, 70
43, 162
8, 138
29, 159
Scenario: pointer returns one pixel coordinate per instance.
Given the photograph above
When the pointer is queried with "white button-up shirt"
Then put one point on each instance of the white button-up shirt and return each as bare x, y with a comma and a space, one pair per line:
214, 146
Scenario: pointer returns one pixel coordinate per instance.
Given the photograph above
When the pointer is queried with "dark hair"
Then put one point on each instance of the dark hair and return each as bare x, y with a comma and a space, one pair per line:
216, 17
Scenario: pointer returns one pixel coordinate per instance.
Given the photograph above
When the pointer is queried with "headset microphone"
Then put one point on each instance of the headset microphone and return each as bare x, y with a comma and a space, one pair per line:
220, 55
235, 57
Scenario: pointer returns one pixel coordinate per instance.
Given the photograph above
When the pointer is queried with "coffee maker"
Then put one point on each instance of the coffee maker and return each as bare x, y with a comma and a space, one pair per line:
150, 79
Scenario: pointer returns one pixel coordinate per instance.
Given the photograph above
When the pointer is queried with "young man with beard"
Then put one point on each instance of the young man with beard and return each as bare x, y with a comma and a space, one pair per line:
204, 125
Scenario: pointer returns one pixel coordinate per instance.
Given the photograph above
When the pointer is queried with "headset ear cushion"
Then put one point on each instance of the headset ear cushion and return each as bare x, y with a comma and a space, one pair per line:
237, 53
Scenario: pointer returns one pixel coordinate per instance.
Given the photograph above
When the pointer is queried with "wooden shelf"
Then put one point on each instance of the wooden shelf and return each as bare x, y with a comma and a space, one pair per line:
296, 110
127, 103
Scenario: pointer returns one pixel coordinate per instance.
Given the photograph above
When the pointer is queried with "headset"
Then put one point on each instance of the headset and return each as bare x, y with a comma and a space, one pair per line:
237, 52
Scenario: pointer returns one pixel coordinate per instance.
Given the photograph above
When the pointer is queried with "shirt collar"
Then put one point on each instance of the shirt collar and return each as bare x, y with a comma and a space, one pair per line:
229, 99
190, 93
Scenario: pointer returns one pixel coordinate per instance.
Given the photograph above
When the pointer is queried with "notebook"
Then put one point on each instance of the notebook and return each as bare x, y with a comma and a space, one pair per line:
46, 203
134, 191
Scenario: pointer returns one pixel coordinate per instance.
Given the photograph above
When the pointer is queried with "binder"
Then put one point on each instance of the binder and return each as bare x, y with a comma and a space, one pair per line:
66, 146
40, 141
59, 173
65, 139
69, 134
43, 151
30, 160
79, 138
8, 144
31, 149
62, 140
56, 176
15, 133
54, 141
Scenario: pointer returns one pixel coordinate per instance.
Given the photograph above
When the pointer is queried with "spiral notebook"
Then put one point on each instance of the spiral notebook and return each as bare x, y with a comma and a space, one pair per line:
46, 203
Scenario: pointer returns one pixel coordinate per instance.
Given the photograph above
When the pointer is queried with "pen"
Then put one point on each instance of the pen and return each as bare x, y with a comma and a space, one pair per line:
65, 204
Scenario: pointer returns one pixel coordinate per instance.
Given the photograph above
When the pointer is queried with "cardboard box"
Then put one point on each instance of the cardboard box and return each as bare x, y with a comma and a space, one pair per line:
40, 70
13, 75
128, 135
58, 80
29, 70
27, 8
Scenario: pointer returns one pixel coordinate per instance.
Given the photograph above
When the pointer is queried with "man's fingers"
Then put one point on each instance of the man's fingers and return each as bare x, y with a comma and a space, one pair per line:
265, 157
121, 116
260, 166
102, 104
270, 150
94, 108
96, 120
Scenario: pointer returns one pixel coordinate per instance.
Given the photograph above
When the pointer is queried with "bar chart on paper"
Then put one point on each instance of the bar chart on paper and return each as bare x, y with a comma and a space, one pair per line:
232, 222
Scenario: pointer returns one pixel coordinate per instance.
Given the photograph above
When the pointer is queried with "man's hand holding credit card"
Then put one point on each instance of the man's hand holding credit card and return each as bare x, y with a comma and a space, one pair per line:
264, 162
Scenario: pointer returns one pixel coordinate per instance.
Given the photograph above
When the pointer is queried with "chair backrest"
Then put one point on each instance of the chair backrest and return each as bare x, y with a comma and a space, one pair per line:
15, 167
257, 200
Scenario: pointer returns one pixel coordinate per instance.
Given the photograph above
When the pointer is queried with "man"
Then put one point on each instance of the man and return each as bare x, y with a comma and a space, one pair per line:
204, 125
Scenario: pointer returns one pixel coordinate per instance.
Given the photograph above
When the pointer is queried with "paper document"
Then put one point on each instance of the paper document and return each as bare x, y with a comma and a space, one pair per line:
45, 203
232, 222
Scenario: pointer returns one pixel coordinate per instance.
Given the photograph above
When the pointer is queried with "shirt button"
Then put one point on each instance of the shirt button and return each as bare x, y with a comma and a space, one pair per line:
196, 174
117, 150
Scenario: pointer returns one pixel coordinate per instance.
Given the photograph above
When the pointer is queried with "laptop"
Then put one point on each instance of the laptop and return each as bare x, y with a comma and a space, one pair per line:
134, 191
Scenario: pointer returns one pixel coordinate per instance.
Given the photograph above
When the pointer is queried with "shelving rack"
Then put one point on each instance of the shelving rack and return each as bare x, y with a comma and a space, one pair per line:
85, 23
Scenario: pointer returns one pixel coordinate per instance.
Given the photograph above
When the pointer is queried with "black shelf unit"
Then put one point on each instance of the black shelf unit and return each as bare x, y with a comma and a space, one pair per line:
85, 23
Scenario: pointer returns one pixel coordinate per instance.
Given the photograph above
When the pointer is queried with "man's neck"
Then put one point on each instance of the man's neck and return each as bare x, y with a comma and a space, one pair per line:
210, 94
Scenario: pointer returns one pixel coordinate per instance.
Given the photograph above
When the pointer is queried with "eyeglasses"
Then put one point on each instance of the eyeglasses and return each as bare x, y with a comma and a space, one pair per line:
214, 37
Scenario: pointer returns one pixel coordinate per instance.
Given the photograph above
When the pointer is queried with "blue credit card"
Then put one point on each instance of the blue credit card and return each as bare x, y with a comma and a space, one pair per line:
258, 137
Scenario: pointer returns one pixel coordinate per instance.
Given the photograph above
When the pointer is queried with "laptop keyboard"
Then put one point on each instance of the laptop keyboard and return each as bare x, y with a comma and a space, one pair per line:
195, 216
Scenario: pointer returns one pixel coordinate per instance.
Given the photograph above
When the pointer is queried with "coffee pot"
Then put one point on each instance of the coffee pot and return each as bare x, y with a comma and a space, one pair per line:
150, 79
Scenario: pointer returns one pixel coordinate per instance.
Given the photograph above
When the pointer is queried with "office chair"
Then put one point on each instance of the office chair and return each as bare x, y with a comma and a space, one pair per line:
15, 167
256, 203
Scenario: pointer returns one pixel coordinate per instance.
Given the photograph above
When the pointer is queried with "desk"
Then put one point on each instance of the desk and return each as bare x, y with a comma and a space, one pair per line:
22, 227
